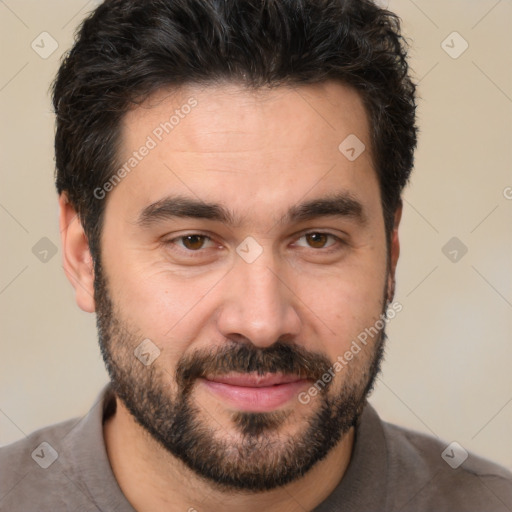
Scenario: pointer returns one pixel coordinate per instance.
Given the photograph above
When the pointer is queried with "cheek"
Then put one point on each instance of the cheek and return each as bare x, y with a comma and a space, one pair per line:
348, 305
162, 306
345, 302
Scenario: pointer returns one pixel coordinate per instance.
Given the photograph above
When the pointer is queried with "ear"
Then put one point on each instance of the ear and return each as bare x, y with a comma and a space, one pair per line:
394, 252
77, 260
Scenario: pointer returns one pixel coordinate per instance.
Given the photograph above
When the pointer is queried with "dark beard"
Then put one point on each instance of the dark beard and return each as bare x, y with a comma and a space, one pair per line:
259, 460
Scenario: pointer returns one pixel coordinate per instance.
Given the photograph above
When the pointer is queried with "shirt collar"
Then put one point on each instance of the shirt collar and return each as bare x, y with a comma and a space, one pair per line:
363, 486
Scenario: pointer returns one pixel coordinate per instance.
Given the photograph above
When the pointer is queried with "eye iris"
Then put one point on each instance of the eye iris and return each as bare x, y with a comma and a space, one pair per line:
193, 242
317, 240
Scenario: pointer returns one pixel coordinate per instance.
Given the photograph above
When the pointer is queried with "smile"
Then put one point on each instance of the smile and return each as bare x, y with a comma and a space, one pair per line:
253, 392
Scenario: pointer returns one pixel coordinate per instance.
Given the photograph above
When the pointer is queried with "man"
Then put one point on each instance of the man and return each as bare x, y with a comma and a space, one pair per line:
230, 177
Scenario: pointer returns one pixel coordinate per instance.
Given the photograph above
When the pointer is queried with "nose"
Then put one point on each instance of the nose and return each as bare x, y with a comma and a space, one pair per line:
259, 304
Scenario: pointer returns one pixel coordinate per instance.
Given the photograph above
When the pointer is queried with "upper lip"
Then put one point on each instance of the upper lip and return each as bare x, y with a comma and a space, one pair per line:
254, 380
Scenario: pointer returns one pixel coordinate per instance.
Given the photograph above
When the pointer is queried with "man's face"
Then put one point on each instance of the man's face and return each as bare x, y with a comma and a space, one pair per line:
274, 294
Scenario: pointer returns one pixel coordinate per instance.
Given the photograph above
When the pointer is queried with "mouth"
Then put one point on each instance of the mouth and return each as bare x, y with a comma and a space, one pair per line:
253, 392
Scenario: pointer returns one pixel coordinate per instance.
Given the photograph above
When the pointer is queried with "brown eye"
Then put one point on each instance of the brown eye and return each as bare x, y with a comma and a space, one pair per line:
193, 242
192, 245
317, 240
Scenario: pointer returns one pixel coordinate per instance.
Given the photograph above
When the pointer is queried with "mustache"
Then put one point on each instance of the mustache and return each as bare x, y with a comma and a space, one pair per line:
246, 358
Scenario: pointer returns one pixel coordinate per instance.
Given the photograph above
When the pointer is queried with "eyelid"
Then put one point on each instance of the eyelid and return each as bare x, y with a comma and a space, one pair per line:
172, 241
337, 239
298, 236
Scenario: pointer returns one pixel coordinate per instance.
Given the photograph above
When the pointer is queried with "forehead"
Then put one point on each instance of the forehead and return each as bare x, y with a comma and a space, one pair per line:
243, 116
237, 146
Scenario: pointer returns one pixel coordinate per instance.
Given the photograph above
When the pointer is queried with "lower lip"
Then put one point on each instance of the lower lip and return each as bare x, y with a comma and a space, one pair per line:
254, 399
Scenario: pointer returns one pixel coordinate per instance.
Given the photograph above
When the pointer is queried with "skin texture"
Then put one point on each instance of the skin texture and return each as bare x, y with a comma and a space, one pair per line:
257, 154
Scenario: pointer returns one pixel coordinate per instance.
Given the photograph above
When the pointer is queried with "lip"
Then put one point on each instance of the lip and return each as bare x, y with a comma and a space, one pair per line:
253, 392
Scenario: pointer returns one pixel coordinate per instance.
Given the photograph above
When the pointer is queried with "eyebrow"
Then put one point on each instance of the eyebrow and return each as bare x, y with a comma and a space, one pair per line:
341, 204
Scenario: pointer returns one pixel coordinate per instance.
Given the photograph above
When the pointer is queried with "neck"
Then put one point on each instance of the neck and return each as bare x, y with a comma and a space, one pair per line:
152, 479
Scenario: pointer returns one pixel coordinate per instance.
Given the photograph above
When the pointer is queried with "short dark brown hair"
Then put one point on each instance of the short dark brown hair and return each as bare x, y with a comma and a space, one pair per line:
128, 49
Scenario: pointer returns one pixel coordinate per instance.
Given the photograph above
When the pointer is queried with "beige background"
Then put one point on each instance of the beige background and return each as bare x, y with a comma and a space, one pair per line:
448, 364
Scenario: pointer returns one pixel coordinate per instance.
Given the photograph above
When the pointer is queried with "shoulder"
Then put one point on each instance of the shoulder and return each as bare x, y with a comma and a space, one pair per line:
63, 466
428, 472
13, 454
33, 464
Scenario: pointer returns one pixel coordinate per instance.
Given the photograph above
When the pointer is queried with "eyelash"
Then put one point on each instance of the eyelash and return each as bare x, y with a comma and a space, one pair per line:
190, 252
